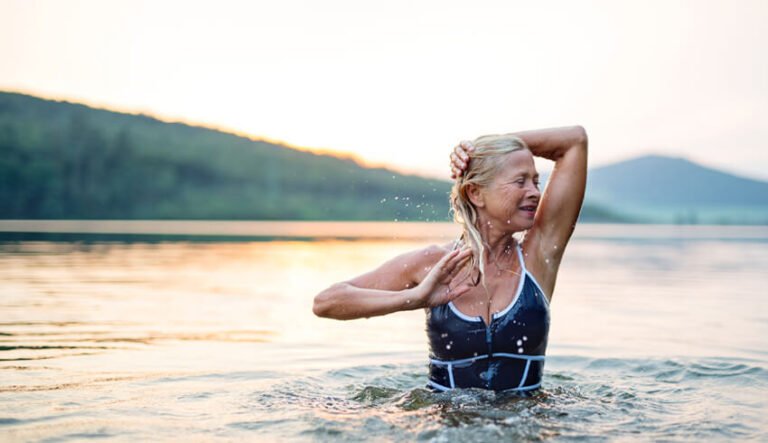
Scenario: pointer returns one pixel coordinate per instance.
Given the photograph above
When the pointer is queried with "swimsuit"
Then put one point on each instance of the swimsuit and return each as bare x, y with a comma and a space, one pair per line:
507, 354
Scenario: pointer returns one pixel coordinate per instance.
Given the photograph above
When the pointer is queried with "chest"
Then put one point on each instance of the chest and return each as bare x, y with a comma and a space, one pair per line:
520, 328
498, 293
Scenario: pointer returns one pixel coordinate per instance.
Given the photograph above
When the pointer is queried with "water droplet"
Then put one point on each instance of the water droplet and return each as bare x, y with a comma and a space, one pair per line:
546, 260
448, 346
555, 246
525, 338
382, 200
397, 198
519, 350
519, 342
443, 335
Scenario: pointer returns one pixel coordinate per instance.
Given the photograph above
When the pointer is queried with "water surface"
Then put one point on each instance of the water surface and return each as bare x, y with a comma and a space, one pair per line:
658, 333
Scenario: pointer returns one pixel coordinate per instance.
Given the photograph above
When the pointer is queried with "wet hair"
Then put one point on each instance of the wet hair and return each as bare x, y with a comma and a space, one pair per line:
484, 164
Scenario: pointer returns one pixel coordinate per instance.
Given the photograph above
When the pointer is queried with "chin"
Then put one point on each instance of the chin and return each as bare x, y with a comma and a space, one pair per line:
527, 225
519, 227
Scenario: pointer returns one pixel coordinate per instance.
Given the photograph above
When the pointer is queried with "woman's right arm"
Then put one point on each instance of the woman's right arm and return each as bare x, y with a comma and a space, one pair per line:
410, 281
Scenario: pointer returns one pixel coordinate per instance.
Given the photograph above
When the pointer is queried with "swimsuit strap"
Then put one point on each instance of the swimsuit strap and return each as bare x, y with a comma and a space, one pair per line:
520, 257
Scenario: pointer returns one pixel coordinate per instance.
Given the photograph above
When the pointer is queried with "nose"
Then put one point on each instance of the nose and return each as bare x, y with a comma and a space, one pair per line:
533, 191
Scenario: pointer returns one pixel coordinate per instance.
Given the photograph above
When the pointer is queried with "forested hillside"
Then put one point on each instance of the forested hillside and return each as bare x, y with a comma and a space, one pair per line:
61, 160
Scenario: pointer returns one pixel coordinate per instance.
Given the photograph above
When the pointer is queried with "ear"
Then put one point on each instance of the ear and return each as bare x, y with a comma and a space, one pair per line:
475, 195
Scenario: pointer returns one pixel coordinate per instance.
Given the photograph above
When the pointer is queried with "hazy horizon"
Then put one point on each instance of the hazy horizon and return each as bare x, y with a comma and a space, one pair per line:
397, 85
542, 166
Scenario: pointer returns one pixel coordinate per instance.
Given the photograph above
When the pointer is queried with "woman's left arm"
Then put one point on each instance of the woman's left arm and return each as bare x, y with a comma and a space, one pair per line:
561, 201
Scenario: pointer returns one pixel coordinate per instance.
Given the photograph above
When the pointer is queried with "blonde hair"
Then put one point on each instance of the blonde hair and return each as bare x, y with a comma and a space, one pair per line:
484, 164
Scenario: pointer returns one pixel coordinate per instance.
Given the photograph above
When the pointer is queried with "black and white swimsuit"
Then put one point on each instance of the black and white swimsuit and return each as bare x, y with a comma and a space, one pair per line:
507, 354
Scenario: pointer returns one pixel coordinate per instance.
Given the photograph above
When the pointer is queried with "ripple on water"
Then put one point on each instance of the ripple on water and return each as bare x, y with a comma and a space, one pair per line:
628, 398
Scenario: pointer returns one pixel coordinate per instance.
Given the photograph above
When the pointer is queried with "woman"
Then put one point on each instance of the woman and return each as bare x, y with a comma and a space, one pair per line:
487, 294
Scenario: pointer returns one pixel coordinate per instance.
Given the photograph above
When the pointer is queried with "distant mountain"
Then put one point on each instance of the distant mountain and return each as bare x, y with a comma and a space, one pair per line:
675, 190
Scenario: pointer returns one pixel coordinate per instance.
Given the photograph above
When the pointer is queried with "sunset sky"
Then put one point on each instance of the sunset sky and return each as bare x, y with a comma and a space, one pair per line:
400, 82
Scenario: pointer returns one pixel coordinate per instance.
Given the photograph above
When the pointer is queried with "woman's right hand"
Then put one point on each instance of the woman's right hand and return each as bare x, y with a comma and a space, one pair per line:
443, 283
460, 158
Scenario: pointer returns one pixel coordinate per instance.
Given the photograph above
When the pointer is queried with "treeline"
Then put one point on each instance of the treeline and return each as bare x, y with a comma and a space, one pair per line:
68, 161
61, 160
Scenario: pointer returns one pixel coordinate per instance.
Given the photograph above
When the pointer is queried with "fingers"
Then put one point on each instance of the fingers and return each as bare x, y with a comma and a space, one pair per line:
460, 158
441, 264
457, 261
457, 292
449, 262
457, 165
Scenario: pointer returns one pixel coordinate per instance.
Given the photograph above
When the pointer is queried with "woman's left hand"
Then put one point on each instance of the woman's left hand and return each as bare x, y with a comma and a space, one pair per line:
460, 158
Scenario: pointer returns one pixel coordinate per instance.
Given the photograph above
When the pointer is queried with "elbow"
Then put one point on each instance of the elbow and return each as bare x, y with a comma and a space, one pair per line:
581, 137
320, 305
323, 305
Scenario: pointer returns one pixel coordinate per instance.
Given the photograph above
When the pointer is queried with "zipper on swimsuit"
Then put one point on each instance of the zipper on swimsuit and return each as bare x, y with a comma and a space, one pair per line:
489, 342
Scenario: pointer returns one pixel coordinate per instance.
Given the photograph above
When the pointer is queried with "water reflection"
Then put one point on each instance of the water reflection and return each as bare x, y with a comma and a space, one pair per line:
664, 339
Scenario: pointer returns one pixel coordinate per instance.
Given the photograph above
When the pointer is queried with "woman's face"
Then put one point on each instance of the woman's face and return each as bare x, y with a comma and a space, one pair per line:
513, 196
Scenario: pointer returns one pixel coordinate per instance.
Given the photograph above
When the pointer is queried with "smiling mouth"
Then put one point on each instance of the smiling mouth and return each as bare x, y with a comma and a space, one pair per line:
530, 208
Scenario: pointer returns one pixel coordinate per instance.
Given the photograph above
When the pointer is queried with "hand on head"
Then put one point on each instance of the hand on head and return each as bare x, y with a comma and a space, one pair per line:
460, 158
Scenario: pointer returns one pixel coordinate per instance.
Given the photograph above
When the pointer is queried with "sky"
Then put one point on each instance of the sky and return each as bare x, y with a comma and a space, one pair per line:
399, 83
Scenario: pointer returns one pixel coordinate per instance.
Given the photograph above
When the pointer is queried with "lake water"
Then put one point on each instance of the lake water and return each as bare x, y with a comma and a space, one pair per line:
658, 333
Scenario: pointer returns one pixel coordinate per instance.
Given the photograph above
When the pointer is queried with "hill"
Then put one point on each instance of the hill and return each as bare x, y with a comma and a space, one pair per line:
63, 160
676, 190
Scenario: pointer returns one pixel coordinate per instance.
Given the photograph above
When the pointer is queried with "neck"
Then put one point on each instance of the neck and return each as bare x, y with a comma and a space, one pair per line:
499, 243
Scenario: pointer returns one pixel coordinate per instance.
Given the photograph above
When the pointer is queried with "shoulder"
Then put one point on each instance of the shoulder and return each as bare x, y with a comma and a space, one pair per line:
423, 259
435, 252
404, 271
429, 255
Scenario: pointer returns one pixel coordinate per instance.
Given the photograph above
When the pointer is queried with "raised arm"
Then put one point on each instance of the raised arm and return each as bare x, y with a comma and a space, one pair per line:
410, 281
561, 201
